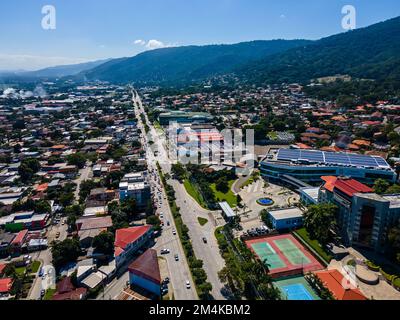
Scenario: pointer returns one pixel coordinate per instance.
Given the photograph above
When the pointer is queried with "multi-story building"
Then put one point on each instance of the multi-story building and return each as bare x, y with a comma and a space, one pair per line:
283, 165
184, 117
135, 186
128, 241
144, 272
364, 217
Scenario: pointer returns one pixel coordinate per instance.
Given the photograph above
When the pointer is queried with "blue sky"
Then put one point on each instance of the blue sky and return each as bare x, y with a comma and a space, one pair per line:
96, 29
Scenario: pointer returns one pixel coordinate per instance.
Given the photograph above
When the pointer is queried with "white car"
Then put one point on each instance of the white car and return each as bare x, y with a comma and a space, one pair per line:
174, 232
187, 284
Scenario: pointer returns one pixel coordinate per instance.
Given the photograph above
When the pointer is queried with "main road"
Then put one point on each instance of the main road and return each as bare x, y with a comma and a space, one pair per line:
190, 209
178, 270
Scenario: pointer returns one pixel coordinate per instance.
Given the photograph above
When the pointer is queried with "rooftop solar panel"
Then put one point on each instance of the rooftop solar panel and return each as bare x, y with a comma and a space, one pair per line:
312, 155
381, 162
331, 158
336, 158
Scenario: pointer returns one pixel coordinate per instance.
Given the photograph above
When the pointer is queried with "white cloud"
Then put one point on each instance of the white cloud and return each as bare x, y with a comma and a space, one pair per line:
140, 42
155, 44
31, 62
282, 16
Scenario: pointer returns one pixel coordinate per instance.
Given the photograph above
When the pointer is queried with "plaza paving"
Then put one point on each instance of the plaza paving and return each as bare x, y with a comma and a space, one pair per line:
282, 197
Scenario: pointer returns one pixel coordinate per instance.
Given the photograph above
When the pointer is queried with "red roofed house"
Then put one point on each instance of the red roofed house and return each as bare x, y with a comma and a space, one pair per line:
128, 241
144, 272
18, 241
5, 286
67, 291
340, 288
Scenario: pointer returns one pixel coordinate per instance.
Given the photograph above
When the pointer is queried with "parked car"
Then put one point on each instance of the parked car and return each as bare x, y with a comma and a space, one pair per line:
165, 251
204, 239
187, 284
164, 291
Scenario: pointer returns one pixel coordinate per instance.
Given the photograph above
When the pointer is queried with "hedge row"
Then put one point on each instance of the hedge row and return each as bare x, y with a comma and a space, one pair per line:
203, 287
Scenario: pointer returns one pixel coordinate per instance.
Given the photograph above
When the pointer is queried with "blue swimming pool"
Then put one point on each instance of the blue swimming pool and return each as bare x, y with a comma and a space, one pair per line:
296, 288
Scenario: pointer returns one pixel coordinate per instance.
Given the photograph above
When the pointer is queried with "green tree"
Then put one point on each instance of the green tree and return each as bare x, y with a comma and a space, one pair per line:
178, 170
380, 186
319, 220
104, 243
28, 168
77, 159
393, 189
222, 185
155, 222
65, 252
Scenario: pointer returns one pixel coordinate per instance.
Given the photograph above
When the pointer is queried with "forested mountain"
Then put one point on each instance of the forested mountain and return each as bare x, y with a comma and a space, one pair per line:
187, 64
367, 53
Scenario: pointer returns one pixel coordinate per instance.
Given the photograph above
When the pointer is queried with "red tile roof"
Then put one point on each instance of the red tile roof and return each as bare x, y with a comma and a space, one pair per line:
351, 186
77, 294
303, 146
65, 285
146, 266
123, 237
333, 280
347, 186
5, 285
2, 267
329, 182
19, 238
42, 187
118, 251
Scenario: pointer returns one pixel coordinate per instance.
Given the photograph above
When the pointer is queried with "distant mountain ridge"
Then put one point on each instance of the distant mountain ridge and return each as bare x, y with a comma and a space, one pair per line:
187, 64
370, 53
54, 72
366, 53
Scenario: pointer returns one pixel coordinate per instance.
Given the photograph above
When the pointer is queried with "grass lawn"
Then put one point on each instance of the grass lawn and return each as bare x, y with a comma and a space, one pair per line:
313, 244
20, 270
49, 294
194, 193
247, 183
35, 266
202, 221
229, 197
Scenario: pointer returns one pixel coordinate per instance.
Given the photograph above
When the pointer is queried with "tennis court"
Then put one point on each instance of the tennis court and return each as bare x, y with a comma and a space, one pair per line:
292, 252
268, 255
283, 255
296, 288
